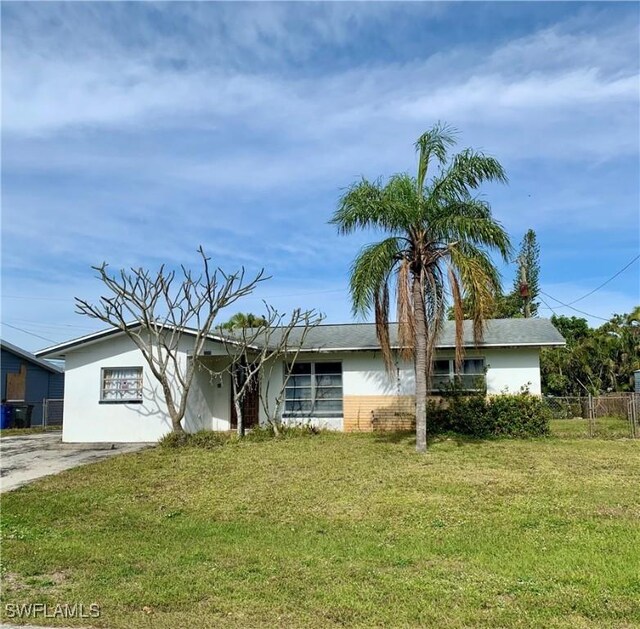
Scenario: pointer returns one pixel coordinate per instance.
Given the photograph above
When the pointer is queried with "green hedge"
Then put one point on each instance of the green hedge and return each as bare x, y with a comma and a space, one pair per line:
209, 440
206, 439
521, 415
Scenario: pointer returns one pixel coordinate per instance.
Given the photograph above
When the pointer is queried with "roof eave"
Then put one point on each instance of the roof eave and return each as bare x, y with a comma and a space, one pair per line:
60, 350
33, 358
376, 348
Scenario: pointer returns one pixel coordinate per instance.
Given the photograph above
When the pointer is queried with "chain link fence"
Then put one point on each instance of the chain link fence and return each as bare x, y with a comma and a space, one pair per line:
609, 416
52, 412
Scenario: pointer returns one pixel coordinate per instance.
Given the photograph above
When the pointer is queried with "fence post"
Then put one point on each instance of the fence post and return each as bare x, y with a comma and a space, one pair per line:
44, 412
591, 416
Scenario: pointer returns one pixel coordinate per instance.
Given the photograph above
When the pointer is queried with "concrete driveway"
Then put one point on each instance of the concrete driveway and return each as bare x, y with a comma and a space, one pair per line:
25, 458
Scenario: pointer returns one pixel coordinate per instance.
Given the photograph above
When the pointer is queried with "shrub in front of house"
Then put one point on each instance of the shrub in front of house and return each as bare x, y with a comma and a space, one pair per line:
519, 415
205, 439
209, 439
285, 431
174, 440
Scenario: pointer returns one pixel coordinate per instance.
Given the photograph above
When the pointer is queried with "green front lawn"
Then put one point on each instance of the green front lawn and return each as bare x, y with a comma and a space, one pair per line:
337, 530
602, 427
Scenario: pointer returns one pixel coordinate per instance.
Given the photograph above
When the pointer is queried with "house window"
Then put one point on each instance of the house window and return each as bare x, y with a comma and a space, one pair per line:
121, 384
470, 378
314, 390
441, 376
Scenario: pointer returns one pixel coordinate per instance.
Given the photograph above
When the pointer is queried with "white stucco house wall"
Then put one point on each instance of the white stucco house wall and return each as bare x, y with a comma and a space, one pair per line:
339, 380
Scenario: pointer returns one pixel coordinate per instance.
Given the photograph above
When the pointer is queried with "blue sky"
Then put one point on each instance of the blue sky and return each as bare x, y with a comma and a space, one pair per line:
132, 133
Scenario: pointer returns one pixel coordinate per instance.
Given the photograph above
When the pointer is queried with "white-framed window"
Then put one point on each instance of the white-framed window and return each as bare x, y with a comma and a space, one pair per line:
314, 390
121, 384
471, 378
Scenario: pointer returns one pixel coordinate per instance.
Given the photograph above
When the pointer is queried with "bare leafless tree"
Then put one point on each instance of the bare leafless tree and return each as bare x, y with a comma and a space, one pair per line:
254, 354
157, 311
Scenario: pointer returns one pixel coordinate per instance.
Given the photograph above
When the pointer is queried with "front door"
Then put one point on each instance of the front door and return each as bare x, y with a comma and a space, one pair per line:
250, 406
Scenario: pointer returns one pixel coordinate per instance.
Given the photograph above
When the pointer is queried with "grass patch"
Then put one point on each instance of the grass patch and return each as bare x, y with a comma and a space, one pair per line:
337, 530
603, 428
14, 432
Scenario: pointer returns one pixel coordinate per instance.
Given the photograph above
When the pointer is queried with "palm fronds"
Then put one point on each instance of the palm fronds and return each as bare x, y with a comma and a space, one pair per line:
433, 144
382, 325
458, 310
405, 311
370, 270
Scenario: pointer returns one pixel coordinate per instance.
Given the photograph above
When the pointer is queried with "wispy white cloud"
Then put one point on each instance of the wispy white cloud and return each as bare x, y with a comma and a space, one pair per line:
120, 90
134, 132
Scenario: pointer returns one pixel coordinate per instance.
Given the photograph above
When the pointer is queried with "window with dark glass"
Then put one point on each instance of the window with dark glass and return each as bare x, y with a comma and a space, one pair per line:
441, 376
470, 378
314, 390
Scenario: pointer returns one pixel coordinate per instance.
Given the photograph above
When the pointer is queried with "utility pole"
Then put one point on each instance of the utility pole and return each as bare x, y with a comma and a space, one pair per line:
524, 286
525, 283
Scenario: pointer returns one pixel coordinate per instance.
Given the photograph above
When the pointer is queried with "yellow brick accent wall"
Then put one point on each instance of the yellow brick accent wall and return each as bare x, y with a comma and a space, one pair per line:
391, 412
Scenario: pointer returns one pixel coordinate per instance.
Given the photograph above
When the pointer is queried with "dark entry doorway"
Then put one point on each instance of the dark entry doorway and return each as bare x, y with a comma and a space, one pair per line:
250, 407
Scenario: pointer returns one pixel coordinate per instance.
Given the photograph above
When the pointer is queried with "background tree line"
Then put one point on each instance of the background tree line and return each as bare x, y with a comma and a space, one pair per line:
595, 360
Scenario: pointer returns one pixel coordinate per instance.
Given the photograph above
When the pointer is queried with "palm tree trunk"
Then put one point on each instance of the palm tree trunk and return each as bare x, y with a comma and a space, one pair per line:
420, 364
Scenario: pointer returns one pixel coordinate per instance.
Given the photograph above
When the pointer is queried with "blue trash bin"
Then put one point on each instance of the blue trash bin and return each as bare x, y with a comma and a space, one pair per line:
6, 416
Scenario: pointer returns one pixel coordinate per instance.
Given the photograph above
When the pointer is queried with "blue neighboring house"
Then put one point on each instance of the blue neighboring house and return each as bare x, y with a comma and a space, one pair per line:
28, 380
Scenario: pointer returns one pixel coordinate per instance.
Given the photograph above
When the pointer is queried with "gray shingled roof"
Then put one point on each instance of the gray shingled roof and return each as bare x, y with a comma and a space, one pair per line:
362, 336
498, 333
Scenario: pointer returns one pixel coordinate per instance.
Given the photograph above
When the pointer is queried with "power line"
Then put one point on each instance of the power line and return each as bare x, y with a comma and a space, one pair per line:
613, 277
548, 306
27, 332
35, 298
51, 326
572, 308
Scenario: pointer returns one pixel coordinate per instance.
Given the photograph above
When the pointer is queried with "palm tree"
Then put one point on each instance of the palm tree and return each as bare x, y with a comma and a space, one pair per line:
241, 320
439, 238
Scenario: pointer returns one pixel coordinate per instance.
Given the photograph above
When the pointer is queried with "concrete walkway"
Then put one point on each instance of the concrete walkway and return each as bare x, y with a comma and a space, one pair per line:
25, 458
